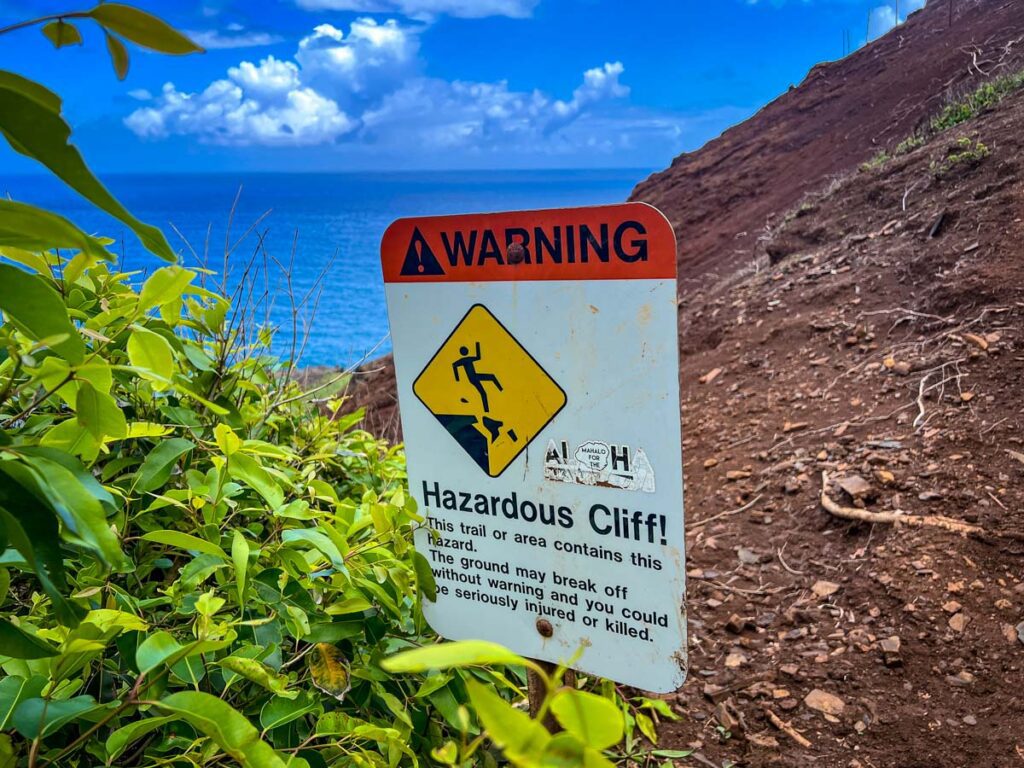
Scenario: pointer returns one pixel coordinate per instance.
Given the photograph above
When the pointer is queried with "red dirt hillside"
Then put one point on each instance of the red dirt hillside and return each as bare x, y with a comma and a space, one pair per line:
721, 197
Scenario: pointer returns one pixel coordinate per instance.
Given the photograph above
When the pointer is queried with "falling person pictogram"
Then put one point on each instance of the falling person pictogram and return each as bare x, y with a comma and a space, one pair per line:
468, 365
487, 391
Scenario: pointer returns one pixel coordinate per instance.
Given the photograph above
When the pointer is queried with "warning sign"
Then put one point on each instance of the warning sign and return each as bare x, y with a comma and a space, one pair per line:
536, 354
487, 391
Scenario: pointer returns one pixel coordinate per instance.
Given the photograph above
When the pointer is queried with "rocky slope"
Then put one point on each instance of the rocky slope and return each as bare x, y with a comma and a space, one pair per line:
721, 198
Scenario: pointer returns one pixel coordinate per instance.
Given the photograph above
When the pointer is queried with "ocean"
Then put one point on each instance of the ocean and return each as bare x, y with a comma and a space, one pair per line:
334, 220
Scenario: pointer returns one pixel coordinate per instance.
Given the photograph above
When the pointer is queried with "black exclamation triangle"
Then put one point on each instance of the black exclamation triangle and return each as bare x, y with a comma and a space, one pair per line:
419, 259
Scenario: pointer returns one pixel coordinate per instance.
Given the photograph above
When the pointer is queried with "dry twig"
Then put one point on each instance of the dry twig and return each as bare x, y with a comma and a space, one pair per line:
787, 729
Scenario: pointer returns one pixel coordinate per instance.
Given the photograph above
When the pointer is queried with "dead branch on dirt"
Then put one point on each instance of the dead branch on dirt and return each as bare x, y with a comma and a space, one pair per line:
895, 518
787, 729
720, 515
785, 565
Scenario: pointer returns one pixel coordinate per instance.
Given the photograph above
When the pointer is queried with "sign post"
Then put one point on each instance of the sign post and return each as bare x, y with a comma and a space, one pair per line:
536, 354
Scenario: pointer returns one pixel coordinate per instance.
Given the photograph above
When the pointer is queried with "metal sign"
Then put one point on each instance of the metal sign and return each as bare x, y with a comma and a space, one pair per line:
536, 354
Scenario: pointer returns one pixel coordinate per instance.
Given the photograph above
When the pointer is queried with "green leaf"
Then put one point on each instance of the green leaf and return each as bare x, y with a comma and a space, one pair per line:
158, 465
98, 412
593, 719
155, 650
424, 577
522, 739
30, 121
226, 439
164, 286
14, 690
118, 55
245, 468
81, 511
143, 29
122, 738
61, 33
240, 557
161, 648
330, 670
151, 353
30, 228
38, 717
225, 725
465, 653
279, 711
36, 309
259, 673
19, 644
32, 529
185, 541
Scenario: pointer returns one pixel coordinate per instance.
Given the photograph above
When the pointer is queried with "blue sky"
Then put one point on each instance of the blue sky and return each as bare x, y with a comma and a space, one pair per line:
336, 85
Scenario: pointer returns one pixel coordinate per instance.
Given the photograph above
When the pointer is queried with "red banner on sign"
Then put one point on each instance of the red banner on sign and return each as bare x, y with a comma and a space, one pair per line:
631, 241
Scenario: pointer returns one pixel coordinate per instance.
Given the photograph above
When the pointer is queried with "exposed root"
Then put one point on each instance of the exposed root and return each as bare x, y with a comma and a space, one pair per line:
895, 518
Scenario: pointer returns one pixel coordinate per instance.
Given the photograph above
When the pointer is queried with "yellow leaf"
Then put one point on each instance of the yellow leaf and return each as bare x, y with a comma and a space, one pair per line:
329, 670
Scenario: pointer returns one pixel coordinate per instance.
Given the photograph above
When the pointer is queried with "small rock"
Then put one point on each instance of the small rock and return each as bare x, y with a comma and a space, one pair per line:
1020, 631
885, 477
959, 622
902, 368
763, 740
855, 486
951, 606
890, 645
824, 588
735, 624
737, 474
970, 720
794, 426
780, 693
709, 463
929, 496
734, 660
955, 587
824, 702
789, 704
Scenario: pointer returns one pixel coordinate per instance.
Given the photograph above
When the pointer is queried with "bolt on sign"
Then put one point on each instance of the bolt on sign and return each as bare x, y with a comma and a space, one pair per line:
537, 362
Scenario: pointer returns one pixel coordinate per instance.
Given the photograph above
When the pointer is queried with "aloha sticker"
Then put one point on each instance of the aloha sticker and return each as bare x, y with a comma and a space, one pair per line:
595, 462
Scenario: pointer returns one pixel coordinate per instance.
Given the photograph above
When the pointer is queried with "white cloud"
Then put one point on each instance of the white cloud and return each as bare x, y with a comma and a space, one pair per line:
262, 104
365, 87
140, 94
374, 58
236, 37
425, 9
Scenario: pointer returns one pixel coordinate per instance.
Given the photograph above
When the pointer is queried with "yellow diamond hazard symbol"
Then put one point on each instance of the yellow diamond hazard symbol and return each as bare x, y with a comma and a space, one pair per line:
488, 391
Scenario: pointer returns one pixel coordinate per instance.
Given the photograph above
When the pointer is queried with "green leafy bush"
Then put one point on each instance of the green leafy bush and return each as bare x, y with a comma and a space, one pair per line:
200, 564
195, 546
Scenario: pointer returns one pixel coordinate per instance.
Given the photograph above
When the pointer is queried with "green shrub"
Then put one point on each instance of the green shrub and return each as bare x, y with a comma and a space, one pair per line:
876, 162
973, 104
964, 152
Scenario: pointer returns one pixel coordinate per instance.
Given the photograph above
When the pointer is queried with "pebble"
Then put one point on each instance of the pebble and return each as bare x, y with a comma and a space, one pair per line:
824, 702
824, 588
970, 720
959, 622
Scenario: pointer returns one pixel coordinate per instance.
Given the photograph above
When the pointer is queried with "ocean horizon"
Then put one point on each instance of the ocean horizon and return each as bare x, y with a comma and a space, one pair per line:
334, 221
